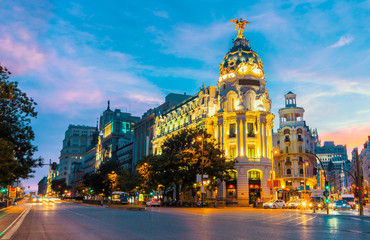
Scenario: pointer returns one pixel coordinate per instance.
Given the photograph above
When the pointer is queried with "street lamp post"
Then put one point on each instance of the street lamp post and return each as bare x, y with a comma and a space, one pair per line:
275, 153
201, 139
359, 184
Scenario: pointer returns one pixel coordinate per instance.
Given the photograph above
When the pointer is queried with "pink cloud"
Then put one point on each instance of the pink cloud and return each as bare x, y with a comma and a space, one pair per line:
20, 57
353, 136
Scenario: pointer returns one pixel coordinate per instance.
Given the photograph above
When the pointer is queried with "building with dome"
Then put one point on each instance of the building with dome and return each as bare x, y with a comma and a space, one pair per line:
238, 114
295, 165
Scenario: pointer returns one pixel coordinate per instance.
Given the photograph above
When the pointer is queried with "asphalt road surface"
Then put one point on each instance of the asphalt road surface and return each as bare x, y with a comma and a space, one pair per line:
75, 221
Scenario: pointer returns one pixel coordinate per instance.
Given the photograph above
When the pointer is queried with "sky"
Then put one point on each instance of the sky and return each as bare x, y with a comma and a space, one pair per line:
72, 57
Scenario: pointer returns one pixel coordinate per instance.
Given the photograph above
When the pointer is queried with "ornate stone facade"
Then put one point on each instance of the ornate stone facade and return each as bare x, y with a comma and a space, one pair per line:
238, 114
295, 166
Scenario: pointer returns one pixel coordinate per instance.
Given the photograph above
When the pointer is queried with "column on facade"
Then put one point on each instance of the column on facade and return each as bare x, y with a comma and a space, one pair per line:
244, 136
238, 135
261, 137
265, 134
222, 137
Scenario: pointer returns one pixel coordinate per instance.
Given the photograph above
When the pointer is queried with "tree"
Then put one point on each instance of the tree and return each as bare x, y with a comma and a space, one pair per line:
182, 159
16, 134
129, 182
59, 186
100, 181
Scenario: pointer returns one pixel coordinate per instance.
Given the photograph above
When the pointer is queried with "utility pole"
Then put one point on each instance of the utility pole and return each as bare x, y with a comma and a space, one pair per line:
359, 184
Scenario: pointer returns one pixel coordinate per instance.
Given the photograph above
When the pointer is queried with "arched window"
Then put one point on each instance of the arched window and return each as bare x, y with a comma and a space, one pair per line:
286, 131
299, 130
301, 171
300, 159
288, 172
254, 175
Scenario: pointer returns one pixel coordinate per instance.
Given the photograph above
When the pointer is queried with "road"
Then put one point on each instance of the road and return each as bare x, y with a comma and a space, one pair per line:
75, 221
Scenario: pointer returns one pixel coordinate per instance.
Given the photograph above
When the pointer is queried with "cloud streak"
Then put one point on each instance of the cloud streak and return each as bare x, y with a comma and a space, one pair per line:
344, 40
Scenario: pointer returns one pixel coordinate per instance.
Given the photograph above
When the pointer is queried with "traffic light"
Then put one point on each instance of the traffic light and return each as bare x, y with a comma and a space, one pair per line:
356, 191
327, 200
3, 190
327, 187
59, 186
54, 166
151, 193
91, 190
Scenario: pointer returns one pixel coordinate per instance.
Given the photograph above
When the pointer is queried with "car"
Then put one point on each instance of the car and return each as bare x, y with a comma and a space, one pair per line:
293, 204
274, 204
153, 202
341, 205
36, 199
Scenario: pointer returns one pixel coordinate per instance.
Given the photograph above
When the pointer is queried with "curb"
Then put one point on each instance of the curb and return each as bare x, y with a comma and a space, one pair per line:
331, 215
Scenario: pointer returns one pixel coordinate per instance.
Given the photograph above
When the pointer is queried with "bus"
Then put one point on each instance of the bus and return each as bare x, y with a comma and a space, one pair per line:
120, 197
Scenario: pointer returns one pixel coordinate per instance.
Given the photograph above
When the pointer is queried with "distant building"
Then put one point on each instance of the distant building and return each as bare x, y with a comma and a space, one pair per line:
143, 130
124, 155
42, 186
115, 128
365, 165
89, 157
77, 139
294, 165
333, 158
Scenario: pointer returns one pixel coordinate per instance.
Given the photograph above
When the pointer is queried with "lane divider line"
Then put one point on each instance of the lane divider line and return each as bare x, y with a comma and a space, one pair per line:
306, 220
17, 223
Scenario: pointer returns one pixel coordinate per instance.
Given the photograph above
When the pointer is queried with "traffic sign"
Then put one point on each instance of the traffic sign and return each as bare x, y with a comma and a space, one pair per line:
326, 193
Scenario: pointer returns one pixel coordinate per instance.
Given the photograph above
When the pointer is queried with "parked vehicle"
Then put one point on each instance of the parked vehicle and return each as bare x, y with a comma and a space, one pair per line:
153, 202
341, 205
274, 204
120, 197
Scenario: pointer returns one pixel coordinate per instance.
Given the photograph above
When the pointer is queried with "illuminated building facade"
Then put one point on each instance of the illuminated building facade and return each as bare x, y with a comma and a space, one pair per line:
294, 140
116, 128
238, 114
143, 130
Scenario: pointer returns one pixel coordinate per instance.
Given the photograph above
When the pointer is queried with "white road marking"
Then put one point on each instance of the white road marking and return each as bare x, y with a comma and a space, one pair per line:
306, 220
9, 235
290, 219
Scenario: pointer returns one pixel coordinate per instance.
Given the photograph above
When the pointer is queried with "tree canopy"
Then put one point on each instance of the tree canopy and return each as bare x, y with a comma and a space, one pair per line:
102, 181
183, 157
16, 134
